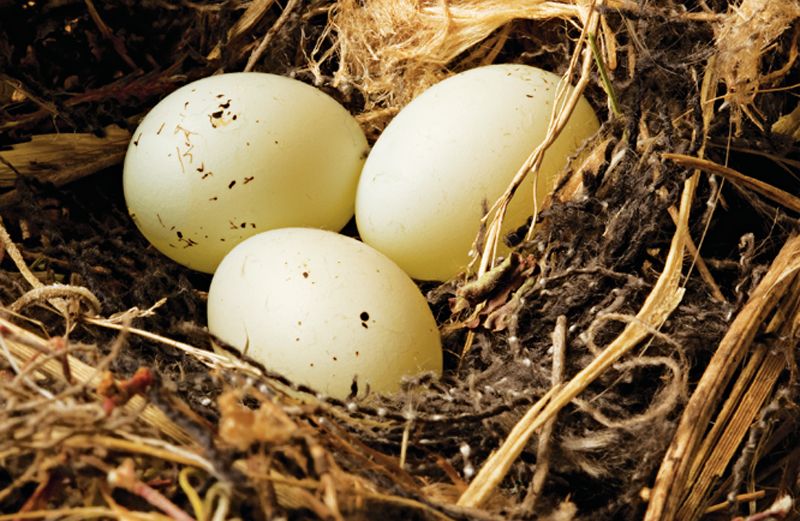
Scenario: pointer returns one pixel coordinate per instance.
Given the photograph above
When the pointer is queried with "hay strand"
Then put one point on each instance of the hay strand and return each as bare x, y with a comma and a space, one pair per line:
672, 476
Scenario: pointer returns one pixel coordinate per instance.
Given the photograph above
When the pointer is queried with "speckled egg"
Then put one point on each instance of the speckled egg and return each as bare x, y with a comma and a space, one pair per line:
325, 310
229, 156
451, 152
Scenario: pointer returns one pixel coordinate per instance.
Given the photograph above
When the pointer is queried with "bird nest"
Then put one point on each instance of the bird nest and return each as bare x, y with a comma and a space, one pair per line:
634, 357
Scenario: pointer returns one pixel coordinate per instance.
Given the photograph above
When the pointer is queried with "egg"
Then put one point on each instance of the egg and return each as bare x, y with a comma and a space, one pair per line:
324, 310
452, 152
229, 156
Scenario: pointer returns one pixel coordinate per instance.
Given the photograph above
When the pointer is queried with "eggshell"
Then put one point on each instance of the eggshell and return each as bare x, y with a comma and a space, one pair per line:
323, 309
228, 156
454, 149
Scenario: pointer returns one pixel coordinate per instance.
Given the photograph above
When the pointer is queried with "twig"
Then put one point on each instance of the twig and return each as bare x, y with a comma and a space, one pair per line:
404, 444
777, 195
252, 15
16, 256
702, 267
750, 496
543, 448
209, 358
55, 291
744, 399
116, 42
256, 54
668, 490
145, 446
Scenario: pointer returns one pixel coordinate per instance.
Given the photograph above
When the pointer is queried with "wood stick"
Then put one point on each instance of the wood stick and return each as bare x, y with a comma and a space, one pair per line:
777, 195
545, 439
61, 158
668, 490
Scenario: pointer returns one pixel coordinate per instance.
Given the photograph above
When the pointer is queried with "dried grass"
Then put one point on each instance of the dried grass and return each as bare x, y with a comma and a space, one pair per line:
390, 51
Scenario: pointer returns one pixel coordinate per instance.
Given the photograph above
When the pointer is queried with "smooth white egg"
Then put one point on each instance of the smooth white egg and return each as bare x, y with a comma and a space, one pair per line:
453, 150
228, 156
323, 309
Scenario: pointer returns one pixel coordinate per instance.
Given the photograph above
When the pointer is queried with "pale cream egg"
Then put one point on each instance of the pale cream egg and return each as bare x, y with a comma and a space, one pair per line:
452, 151
228, 156
324, 310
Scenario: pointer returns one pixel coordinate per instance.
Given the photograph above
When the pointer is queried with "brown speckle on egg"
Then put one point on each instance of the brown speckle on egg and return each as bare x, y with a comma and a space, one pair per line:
183, 169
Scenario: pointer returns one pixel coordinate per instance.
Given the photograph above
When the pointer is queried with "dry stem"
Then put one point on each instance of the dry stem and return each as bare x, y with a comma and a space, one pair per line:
545, 439
671, 479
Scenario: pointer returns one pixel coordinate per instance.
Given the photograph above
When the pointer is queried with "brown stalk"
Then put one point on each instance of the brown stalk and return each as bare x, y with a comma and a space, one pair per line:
702, 267
116, 42
672, 477
545, 439
760, 387
748, 395
268, 37
750, 496
61, 158
777, 195
246, 23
